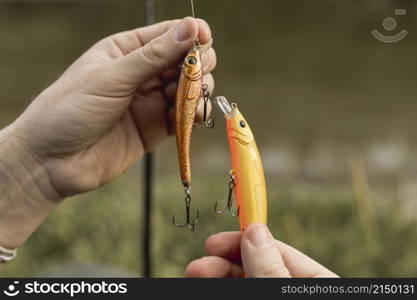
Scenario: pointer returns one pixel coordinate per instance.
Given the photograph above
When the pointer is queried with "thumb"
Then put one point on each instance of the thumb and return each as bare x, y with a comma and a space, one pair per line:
160, 54
260, 256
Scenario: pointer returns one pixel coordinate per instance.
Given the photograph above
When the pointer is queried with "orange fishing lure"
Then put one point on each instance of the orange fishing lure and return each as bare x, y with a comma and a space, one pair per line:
247, 175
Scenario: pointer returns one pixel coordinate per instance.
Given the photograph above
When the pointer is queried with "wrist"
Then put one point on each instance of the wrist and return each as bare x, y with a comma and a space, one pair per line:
26, 195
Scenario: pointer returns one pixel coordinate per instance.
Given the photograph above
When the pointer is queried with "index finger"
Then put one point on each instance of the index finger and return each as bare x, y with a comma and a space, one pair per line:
225, 244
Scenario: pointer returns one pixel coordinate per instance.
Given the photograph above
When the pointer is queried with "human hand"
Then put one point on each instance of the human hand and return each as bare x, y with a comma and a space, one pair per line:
255, 253
111, 106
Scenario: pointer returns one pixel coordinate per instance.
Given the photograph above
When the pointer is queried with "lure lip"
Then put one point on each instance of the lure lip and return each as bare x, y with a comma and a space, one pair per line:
224, 106
232, 115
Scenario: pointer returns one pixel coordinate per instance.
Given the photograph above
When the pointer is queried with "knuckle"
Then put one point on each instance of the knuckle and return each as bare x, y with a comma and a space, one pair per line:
201, 20
170, 23
89, 75
153, 51
209, 60
103, 42
213, 57
209, 80
274, 269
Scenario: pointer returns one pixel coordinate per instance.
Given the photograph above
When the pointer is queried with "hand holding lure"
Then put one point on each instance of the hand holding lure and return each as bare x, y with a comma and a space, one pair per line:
190, 90
247, 175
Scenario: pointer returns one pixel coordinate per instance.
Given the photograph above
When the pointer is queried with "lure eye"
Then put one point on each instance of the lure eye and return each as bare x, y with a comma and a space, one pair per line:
242, 124
192, 60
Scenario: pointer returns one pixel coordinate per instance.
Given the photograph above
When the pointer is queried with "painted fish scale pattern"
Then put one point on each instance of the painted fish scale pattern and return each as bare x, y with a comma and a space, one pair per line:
188, 95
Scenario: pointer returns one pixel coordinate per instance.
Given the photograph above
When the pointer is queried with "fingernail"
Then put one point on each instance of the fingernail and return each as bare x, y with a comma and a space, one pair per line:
183, 31
260, 236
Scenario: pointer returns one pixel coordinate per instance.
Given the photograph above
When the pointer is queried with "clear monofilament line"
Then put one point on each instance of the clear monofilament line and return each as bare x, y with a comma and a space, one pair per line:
192, 8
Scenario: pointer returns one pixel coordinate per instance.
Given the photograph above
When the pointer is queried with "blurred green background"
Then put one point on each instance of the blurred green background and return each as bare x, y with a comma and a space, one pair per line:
332, 108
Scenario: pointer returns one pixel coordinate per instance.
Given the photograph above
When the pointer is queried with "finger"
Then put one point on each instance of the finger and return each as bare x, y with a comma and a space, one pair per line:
128, 41
171, 92
199, 116
160, 54
209, 60
150, 115
122, 43
260, 256
171, 121
170, 75
300, 265
213, 267
204, 31
225, 244
148, 33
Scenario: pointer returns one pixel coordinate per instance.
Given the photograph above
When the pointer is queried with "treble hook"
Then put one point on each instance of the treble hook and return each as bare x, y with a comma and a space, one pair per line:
229, 204
188, 222
207, 122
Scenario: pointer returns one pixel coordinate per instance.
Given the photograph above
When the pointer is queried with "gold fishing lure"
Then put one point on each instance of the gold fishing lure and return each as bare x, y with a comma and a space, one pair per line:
188, 95
190, 90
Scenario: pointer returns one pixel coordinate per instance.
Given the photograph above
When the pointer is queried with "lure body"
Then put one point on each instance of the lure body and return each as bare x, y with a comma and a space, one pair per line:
250, 187
188, 94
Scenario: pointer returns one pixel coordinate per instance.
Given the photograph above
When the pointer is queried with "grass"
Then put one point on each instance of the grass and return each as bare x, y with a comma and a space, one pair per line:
322, 221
